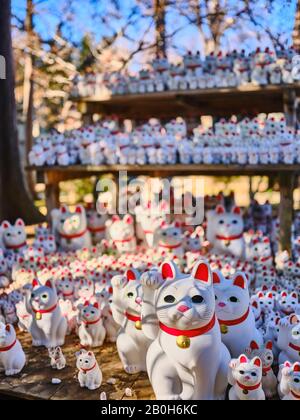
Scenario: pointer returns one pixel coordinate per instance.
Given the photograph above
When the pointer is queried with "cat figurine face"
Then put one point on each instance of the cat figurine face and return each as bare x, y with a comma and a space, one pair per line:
85, 289
131, 294
267, 301
169, 238
193, 242
43, 297
65, 287
265, 353
14, 237
97, 223
287, 303
90, 313
246, 376
122, 233
290, 381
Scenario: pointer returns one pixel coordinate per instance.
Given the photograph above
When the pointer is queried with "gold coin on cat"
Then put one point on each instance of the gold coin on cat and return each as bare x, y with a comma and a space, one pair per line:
183, 342
227, 243
38, 316
224, 329
138, 325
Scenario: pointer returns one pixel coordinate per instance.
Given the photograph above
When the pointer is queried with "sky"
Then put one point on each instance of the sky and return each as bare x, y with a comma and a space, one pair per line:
280, 19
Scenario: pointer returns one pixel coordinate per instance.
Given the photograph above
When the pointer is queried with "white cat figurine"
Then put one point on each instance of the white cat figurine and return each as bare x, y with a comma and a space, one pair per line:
57, 359
91, 331
90, 375
12, 357
290, 382
289, 339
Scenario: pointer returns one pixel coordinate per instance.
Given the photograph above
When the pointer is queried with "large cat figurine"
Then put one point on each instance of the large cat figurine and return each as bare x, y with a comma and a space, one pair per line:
290, 382
14, 237
48, 327
233, 309
225, 231
132, 344
71, 228
187, 359
12, 357
122, 234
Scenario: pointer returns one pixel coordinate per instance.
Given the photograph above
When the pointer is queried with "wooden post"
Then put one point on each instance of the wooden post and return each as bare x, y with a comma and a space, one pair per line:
289, 100
52, 193
286, 208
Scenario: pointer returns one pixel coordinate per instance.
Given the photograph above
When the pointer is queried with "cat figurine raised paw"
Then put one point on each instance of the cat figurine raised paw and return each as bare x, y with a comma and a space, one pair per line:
290, 382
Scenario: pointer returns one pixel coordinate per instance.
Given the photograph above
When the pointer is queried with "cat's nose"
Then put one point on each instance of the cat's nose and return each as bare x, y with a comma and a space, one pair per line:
222, 304
247, 378
138, 300
183, 308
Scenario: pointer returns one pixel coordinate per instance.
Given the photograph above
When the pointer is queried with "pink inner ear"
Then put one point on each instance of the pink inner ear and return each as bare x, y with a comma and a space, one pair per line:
220, 210
239, 281
283, 294
254, 345
128, 220
295, 296
5, 225
178, 225
89, 353
243, 359
287, 364
265, 288
86, 303
96, 305
167, 271
257, 362
78, 210
269, 345
63, 209
255, 305
130, 275
270, 295
236, 210
35, 283
48, 284
294, 320
20, 222
266, 240
202, 273
260, 295
297, 367
216, 278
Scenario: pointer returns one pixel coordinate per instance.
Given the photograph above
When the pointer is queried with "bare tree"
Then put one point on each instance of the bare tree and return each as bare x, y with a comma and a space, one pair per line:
296, 33
14, 199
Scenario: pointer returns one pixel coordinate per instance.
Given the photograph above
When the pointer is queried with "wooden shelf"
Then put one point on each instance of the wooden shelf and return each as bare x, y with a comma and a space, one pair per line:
248, 99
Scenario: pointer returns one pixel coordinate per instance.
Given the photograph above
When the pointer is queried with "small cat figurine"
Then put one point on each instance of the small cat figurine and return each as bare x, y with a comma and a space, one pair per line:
169, 239
65, 287
90, 375
245, 376
14, 237
12, 357
187, 359
71, 228
265, 353
57, 359
122, 233
287, 303
91, 331
234, 313
289, 385
132, 344
48, 327
97, 223
289, 339
225, 231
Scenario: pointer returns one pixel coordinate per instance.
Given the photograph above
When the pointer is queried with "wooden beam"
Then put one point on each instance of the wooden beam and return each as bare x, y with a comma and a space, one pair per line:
286, 210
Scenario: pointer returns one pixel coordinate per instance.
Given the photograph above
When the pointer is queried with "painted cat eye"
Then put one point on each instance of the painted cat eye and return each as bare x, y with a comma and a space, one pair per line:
233, 299
130, 295
197, 299
169, 299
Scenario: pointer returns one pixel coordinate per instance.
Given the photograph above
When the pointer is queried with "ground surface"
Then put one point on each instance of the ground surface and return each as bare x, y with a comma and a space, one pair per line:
35, 380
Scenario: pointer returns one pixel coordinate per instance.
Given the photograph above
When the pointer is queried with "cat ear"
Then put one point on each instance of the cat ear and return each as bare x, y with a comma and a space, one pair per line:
96, 305
287, 364
202, 272
236, 210
266, 240
216, 277
240, 280
128, 219
283, 294
260, 295
49, 284
256, 362
20, 223
63, 209
86, 303
254, 304
220, 209
79, 210
35, 283
243, 359
5, 225
269, 345
254, 345
295, 295
90, 353
177, 225
169, 270
132, 274
296, 367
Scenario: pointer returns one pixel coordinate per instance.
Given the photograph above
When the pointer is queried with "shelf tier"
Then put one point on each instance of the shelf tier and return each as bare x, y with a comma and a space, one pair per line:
248, 100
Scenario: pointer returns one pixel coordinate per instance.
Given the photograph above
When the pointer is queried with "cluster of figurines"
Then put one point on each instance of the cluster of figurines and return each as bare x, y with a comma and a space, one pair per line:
262, 67
198, 308
261, 140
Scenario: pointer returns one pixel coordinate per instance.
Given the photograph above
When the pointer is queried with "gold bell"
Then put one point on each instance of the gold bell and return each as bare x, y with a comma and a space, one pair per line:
183, 342
38, 316
227, 243
138, 325
224, 329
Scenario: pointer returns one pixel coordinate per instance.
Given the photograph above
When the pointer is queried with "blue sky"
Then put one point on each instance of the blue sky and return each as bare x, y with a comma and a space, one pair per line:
280, 19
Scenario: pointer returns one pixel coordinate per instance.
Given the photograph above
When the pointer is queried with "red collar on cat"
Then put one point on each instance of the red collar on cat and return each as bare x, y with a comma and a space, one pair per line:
294, 347
3, 349
92, 322
13, 247
235, 321
132, 318
189, 333
229, 238
45, 311
123, 241
266, 370
264, 259
170, 246
297, 396
68, 294
74, 236
248, 388
97, 230
88, 370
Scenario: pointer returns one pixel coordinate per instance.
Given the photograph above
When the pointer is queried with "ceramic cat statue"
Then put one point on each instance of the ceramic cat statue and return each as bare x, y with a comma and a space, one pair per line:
289, 339
71, 228
290, 382
225, 231
245, 376
14, 237
169, 239
265, 353
121, 232
132, 343
48, 327
97, 223
90, 375
233, 309
12, 356
187, 359
91, 331
57, 358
